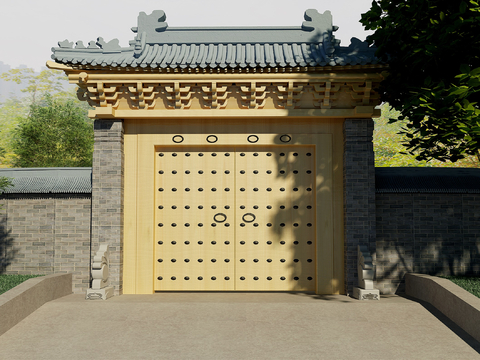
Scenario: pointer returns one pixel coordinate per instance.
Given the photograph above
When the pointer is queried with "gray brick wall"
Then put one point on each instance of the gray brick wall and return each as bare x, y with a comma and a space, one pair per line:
72, 240
107, 195
435, 234
359, 194
45, 235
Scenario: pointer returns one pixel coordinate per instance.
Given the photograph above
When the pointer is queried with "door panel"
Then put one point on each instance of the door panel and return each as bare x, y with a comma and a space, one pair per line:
272, 251
195, 247
235, 218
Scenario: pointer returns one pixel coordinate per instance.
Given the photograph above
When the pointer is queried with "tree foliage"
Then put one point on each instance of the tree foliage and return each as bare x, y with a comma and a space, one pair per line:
14, 111
4, 183
56, 133
11, 112
387, 145
432, 48
47, 81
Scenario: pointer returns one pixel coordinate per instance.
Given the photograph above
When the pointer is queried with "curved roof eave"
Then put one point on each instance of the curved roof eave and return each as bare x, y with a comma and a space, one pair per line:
158, 46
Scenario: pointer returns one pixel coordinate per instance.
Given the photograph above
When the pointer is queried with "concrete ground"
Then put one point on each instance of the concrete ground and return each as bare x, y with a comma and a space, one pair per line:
236, 326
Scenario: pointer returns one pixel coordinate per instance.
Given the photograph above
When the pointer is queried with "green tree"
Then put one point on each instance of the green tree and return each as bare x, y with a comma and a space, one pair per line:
432, 48
11, 112
38, 84
4, 184
388, 139
56, 133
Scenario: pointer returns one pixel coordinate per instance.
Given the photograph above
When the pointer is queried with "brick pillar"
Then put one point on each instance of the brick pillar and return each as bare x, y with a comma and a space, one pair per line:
359, 194
107, 195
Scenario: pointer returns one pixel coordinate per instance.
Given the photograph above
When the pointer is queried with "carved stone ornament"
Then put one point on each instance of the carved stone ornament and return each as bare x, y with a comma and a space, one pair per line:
100, 275
366, 274
370, 296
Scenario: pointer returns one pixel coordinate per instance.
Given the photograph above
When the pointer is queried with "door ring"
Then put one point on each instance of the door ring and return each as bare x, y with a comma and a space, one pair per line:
212, 139
177, 139
215, 217
249, 214
285, 138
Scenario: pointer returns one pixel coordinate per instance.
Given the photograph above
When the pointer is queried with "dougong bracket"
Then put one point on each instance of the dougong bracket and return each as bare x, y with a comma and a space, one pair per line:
253, 95
215, 96
179, 97
142, 97
290, 94
325, 93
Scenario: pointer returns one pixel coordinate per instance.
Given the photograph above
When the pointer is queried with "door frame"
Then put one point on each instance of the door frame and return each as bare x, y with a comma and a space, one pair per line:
143, 138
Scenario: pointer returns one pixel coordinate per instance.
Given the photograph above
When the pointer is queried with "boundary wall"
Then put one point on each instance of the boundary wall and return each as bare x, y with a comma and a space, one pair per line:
46, 234
428, 231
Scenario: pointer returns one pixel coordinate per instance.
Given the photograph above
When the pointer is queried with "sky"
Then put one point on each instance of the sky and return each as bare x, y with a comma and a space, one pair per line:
30, 28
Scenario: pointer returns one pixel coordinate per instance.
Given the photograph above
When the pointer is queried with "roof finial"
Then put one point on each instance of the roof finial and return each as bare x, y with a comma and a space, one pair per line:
111, 46
155, 22
65, 44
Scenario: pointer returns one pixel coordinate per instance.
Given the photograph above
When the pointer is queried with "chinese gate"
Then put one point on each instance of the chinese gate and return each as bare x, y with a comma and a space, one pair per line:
235, 218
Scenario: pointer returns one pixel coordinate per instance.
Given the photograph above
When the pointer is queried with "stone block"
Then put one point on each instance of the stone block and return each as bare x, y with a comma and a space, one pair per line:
364, 294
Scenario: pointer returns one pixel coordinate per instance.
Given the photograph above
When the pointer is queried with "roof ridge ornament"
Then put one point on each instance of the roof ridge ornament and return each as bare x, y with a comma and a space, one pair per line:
156, 45
111, 47
155, 22
322, 28
92, 45
79, 45
317, 28
320, 23
65, 44
148, 24
359, 45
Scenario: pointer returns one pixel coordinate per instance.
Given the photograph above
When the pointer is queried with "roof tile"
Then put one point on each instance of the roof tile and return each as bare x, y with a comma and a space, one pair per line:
159, 46
49, 180
427, 180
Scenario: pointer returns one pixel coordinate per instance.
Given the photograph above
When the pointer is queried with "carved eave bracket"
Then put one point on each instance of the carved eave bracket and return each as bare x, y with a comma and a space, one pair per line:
290, 94
150, 95
214, 96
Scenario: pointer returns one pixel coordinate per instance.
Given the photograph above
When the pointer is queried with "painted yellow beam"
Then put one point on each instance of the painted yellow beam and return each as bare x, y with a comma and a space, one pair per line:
110, 113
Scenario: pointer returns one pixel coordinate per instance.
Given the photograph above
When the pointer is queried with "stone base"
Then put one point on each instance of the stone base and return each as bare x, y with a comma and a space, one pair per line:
363, 294
104, 294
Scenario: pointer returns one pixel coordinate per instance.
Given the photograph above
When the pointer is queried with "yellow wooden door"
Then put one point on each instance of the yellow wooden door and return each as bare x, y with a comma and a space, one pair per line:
195, 213
235, 218
275, 218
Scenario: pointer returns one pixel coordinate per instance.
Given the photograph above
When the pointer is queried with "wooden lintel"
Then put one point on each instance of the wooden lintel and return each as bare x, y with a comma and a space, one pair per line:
75, 76
56, 66
110, 113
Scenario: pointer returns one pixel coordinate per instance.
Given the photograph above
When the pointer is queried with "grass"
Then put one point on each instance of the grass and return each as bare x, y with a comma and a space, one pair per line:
471, 284
8, 282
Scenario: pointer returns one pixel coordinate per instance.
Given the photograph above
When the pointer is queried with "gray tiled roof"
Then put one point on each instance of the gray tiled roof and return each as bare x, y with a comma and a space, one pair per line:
387, 180
427, 180
49, 180
159, 46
